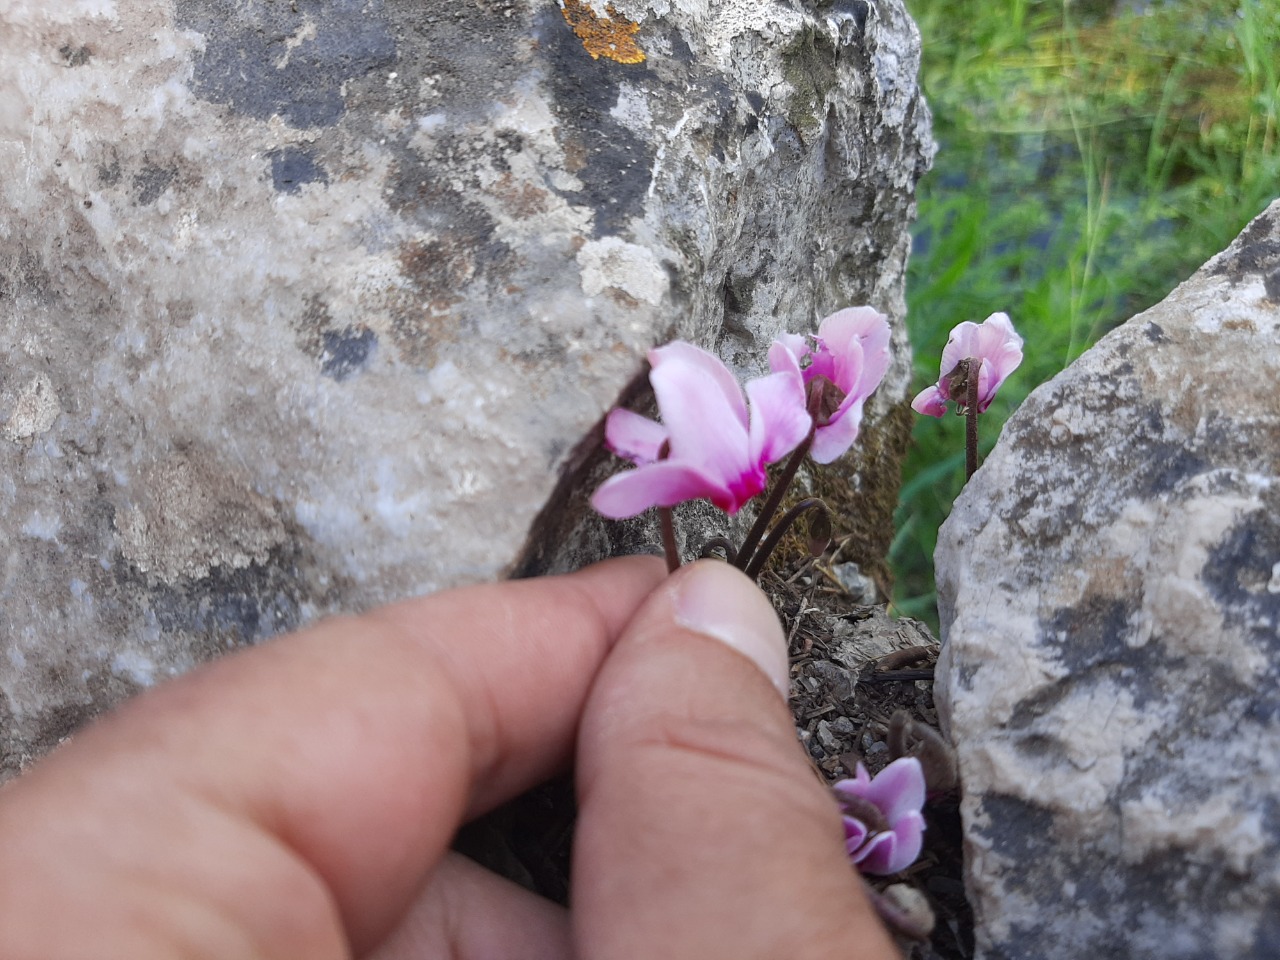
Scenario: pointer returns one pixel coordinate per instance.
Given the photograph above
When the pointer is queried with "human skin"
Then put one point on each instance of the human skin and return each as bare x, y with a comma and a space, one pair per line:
297, 800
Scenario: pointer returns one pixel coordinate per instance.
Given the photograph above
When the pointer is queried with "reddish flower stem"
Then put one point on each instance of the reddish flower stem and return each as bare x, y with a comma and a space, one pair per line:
771, 505
778, 532
667, 518
971, 418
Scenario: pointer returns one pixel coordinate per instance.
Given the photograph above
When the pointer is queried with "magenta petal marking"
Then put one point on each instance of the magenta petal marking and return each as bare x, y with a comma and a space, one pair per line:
634, 437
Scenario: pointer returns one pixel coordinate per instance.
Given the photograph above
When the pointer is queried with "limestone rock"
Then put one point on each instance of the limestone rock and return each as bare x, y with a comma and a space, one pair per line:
1109, 587
307, 305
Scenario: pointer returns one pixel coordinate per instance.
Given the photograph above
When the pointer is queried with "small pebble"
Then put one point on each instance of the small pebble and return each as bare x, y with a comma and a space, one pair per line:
830, 742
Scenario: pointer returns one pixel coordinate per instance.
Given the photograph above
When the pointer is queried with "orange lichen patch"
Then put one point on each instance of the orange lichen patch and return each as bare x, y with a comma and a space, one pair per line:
612, 36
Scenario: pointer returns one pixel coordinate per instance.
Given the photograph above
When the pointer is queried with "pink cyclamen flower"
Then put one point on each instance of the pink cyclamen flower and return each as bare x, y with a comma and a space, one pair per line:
994, 342
714, 447
883, 825
847, 362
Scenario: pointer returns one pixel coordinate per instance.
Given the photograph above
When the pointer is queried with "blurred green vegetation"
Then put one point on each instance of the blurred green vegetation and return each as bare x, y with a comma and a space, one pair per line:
1091, 157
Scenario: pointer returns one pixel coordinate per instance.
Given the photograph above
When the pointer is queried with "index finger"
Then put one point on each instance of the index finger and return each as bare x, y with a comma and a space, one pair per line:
351, 750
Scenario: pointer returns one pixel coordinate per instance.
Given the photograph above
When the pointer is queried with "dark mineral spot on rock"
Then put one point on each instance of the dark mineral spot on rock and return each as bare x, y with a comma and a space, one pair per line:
1271, 282
857, 9
75, 56
109, 173
1257, 254
1024, 828
1092, 633
1155, 333
232, 607
340, 351
264, 59
612, 163
292, 167
346, 351
1243, 573
151, 181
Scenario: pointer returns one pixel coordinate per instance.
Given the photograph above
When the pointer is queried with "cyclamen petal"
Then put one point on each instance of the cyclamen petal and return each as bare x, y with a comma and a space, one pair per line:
930, 401
831, 442
779, 420
893, 852
855, 835
851, 349
898, 792
994, 342
795, 343
699, 411
634, 437
717, 447
661, 484
870, 330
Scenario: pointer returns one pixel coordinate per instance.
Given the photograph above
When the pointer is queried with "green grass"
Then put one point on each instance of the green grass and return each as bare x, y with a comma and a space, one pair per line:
1088, 163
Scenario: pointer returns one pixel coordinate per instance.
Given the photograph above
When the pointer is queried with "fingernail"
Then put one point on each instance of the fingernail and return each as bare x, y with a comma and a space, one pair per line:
720, 602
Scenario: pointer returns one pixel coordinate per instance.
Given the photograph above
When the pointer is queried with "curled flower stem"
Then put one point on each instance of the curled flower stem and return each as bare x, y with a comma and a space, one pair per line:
667, 518
778, 532
971, 417
719, 543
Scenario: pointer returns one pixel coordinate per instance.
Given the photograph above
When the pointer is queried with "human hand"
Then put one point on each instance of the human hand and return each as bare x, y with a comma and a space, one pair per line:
298, 800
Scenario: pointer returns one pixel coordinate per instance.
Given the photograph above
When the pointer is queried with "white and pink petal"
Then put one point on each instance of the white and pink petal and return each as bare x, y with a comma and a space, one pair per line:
779, 418
634, 437
898, 789
930, 401
707, 423
832, 440
661, 484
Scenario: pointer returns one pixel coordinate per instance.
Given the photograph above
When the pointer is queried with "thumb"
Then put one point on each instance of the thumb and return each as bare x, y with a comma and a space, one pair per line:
703, 832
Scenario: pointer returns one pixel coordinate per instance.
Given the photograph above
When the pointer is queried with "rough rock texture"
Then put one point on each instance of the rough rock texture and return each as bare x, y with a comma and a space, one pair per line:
310, 304
1110, 600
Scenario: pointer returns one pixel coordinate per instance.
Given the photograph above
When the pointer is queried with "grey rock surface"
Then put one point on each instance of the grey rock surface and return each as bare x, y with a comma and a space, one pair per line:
307, 305
1110, 599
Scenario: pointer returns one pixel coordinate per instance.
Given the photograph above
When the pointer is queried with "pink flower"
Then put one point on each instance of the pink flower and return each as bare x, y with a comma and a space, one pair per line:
714, 449
994, 342
883, 826
847, 363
